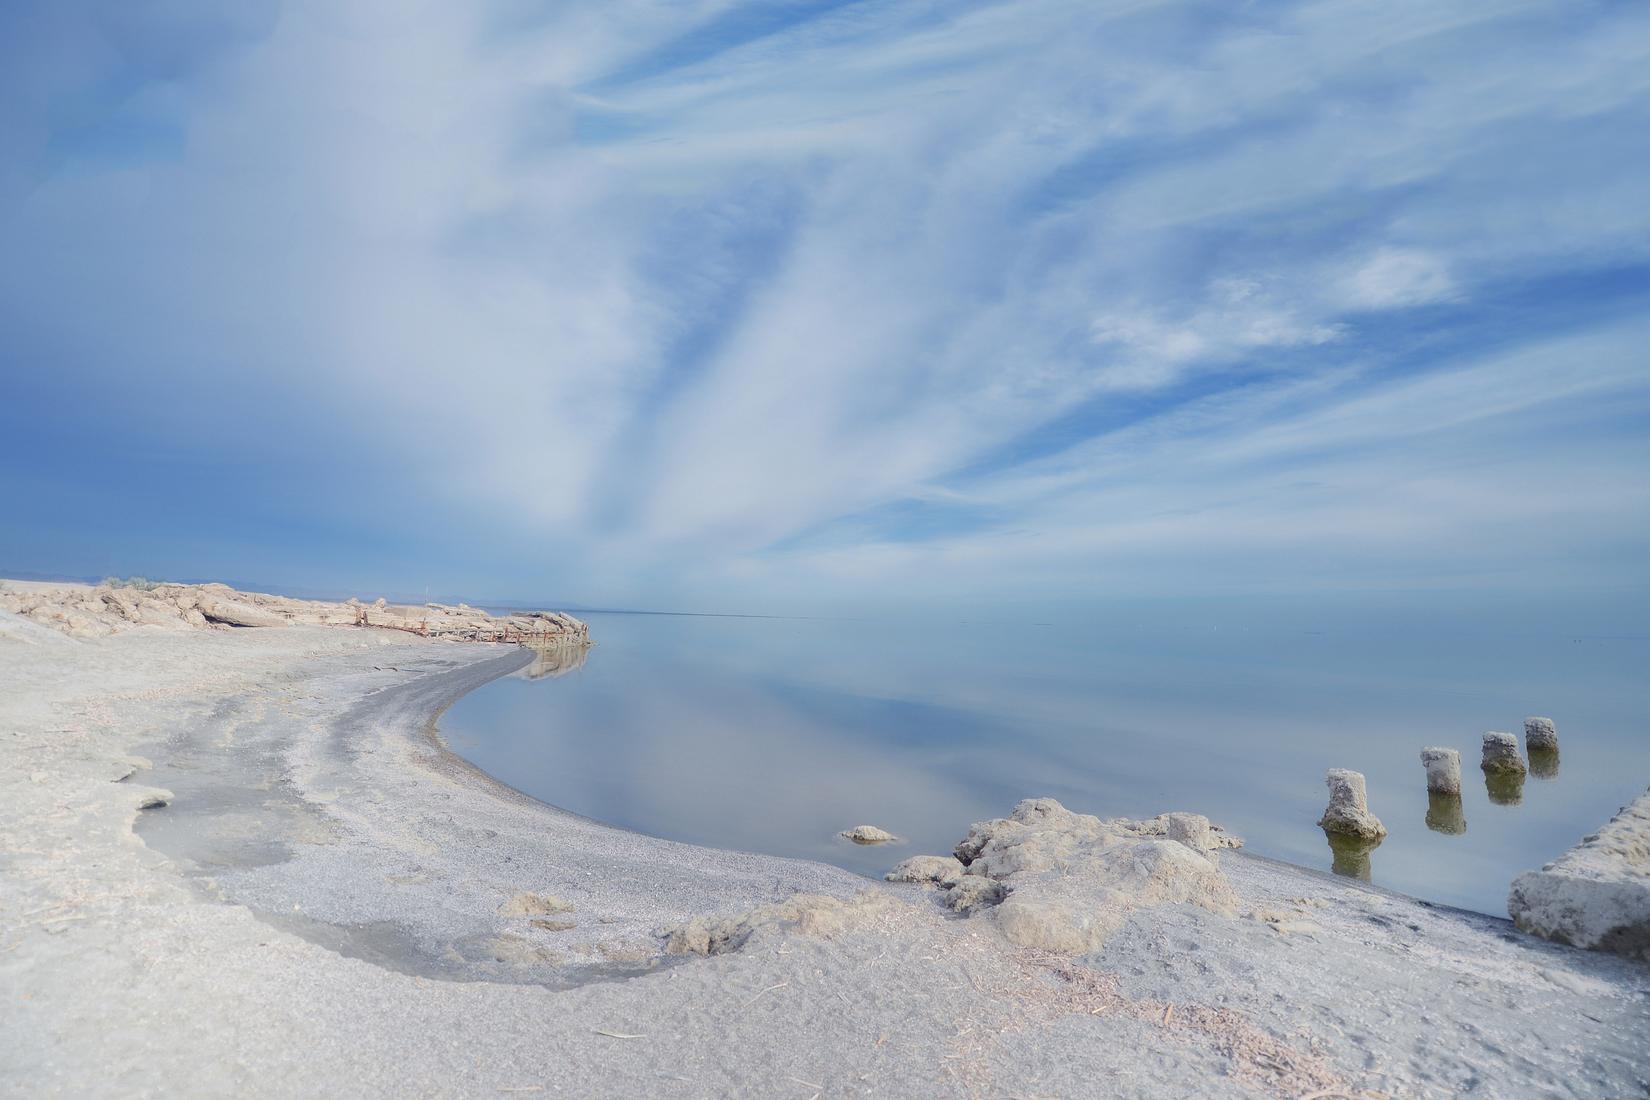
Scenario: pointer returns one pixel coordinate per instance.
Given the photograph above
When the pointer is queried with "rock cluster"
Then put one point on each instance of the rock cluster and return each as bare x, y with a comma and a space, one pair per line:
1061, 881
91, 611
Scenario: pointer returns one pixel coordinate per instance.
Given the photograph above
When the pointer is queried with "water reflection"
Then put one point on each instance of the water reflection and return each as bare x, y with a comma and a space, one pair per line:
1351, 855
1445, 814
552, 661
1544, 763
775, 735
1505, 788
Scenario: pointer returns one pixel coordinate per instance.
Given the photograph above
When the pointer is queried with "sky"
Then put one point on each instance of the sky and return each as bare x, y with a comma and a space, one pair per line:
805, 305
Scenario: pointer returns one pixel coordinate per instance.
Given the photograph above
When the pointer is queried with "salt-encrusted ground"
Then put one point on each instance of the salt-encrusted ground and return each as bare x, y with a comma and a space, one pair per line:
316, 911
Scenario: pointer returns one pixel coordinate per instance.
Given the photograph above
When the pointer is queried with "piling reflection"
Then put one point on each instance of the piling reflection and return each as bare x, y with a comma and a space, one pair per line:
1351, 855
1544, 763
1445, 814
1505, 788
552, 661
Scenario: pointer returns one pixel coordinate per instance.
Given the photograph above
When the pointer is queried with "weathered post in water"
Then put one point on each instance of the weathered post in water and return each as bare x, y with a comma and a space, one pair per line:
1348, 813
1501, 754
1540, 735
1443, 770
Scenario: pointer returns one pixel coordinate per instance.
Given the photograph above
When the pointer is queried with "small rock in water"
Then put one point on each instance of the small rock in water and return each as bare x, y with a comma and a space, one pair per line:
1540, 735
1501, 754
1443, 770
1348, 812
868, 834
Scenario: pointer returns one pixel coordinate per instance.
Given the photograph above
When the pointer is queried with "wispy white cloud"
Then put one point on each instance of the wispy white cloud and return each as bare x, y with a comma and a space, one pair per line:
709, 301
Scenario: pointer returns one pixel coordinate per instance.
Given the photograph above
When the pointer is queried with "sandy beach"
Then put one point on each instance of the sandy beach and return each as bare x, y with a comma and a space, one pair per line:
238, 861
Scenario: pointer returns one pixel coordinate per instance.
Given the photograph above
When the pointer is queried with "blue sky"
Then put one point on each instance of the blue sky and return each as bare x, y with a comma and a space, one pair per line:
808, 305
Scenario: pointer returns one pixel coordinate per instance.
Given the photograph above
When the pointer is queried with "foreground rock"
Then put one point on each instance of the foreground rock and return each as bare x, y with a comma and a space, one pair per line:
1061, 881
1597, 894
94, 611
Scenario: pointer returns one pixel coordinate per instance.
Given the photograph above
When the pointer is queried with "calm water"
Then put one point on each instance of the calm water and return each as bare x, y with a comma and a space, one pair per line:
773, 734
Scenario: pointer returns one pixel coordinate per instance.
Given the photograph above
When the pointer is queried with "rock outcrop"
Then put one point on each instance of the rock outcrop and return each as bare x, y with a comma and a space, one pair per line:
91, 611
1596, 895
1061, 881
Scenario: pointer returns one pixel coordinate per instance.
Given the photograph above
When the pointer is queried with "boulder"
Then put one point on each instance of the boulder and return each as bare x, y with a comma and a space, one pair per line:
1068, 880
234, 613
1596, 895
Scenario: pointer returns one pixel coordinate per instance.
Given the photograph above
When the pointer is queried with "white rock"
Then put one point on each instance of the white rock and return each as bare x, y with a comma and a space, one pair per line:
1072, 879
1596, 895
235, 613
868, 834
1348, 811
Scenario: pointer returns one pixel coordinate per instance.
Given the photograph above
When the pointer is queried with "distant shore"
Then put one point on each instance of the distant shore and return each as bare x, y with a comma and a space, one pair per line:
237, 861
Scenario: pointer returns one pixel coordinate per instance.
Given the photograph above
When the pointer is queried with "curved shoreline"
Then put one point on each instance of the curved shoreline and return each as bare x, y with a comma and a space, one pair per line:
299, 761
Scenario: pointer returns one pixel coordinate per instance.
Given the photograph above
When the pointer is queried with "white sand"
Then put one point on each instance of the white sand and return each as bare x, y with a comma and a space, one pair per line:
316, 912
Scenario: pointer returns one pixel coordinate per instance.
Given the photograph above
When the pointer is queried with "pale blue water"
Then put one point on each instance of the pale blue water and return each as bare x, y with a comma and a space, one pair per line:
773, 734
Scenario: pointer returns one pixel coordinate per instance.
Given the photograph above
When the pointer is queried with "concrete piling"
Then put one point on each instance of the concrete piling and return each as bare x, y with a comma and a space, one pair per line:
1443, 770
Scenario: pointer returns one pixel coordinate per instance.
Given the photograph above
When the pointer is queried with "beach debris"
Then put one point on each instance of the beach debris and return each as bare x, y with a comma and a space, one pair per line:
1348, 811
1540, 735
818, 915
526, 904
1445, 814
618, 1034
1501, 754
552, 925
1596, 895
943, 870
868, 834
763, 993
154, 802
1443, 770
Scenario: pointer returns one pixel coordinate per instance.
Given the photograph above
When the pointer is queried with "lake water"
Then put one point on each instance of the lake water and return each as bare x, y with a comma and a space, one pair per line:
774, 734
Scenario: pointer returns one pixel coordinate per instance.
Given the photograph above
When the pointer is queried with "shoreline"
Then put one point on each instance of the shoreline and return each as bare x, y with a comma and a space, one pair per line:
310, 756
